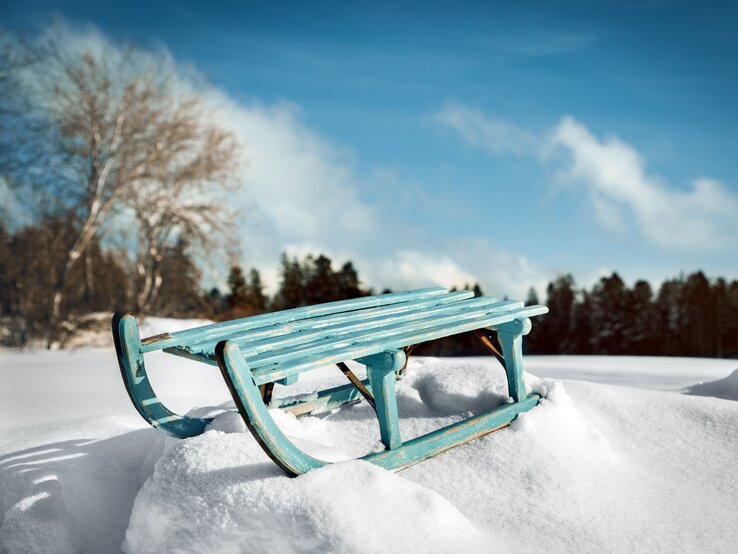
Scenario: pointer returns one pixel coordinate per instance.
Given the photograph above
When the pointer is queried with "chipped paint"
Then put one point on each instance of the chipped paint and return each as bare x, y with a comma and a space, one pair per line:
379, 331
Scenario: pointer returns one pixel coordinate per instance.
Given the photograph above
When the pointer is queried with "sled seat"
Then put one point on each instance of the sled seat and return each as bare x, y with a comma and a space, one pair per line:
256, 352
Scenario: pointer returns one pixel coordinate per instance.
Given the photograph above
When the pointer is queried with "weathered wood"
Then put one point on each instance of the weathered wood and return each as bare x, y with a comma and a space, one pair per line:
255, 414
397, 456
257, 339
375, 331
132, 368
372, 343
425, 446
321, 400
292, 346
511, 339
295, 343
381, 370
216, 331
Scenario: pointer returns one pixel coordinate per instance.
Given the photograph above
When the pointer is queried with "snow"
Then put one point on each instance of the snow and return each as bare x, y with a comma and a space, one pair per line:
216, 493
606, 462
643, 372
720, 388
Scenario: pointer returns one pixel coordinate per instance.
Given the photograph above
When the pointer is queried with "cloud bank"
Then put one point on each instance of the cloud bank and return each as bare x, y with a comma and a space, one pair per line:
622, 194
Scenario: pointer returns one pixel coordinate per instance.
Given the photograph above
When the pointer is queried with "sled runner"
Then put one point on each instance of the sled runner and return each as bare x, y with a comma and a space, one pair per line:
256, 352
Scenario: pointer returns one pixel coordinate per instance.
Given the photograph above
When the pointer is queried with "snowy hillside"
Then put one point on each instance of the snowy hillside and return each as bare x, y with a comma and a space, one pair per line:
597, 466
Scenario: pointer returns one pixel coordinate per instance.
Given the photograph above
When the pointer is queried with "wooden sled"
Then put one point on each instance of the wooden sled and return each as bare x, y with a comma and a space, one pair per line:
256, 352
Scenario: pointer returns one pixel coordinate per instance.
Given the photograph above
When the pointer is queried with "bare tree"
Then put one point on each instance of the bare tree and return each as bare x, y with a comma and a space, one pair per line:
180, 200
125, 130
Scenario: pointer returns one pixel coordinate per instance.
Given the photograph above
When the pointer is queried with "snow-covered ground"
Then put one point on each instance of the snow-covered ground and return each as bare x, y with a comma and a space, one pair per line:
617, 458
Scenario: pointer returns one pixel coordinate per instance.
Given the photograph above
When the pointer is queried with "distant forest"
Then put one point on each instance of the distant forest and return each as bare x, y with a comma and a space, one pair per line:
688, 316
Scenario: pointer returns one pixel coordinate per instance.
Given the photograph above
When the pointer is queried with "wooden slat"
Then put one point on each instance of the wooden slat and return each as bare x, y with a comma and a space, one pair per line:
304, 329
367, 345
283, 348
378, 332
216, 330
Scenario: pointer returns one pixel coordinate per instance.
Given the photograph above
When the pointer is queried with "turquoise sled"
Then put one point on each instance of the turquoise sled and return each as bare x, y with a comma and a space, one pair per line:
256, 352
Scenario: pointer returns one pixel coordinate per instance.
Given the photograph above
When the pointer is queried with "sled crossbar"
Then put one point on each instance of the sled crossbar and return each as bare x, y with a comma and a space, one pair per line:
374, 331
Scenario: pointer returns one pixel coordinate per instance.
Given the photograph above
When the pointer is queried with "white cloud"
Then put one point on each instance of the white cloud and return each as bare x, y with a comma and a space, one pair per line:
500, 272
299, 181
458, 263
296, 188
408, 269
704, 216
301, 196
489, 133
623, 195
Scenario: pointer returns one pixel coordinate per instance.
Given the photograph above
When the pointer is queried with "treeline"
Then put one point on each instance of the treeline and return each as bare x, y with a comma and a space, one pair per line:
688, 316
305, 282
103, 280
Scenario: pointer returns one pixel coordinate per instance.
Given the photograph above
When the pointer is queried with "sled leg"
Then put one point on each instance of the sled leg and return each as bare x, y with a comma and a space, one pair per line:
511, 338
255, 414
132, 369
381, 369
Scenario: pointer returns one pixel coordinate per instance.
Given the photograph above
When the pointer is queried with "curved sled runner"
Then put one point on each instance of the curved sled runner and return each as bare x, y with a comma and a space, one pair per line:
255, 353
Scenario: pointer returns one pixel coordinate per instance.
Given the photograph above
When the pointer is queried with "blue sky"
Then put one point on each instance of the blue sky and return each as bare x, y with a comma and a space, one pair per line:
503, 142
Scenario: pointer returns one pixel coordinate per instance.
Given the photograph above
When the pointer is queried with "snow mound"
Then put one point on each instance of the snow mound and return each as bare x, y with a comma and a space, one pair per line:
459, 384
40, 522
593, 468
600, 468
218, 493
72, 486
722, 388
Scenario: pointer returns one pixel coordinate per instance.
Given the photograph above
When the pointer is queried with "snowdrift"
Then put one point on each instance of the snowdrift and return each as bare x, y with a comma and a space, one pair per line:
594, 467
722, 388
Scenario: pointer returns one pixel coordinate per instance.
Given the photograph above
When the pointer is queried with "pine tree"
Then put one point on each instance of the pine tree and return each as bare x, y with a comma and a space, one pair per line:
291, 292
238, 293
643, 320
669, 314
721, 315
610, 300
348, 282
321, 284
550, 331
698, 322
532, 298
730, 322
255, 291
214, 305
